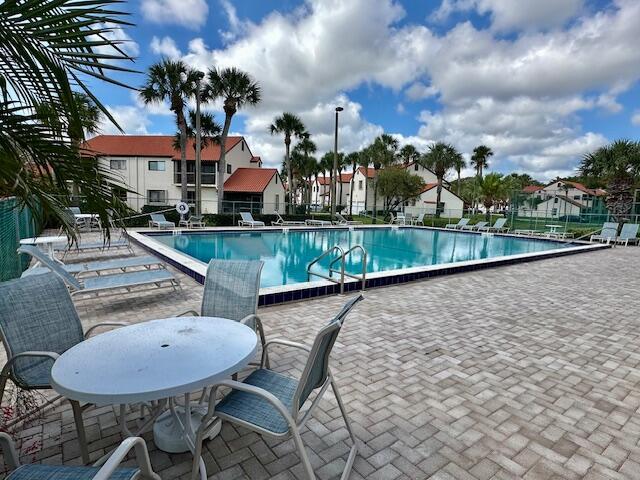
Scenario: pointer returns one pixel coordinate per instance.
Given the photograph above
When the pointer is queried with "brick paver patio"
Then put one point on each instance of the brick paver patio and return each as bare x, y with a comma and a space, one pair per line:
527, 371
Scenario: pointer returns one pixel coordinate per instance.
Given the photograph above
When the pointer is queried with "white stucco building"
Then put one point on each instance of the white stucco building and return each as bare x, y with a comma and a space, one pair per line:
149, 165
560, 198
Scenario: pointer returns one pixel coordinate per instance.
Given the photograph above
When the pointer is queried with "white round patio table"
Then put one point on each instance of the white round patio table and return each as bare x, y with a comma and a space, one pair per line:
48, 242
154, 360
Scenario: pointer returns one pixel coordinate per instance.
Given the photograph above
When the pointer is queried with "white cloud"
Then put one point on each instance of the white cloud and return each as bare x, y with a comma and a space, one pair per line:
508, 15
165, 46
187, 13
131, 119
236, 26
635, 118
119, 36
420, 91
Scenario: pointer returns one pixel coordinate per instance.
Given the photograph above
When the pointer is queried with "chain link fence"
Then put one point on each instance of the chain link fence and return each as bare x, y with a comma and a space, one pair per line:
15, 223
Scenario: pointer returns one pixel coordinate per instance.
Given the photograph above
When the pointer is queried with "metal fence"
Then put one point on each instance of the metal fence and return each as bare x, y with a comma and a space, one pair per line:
15, 223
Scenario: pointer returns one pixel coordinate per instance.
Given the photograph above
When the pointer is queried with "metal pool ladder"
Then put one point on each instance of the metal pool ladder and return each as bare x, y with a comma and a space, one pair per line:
342, 255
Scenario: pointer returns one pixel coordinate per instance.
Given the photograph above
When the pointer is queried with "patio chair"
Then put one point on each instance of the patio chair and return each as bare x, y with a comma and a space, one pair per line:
38, 322
285, 223
399, 219
158, 220
270, 403
232, 291
498, 226
107, 471
246, 220
83, 247
461, 223
121, 264
101, 283
475, 226
608, 233
317, 223
419, 220
344, 221
628, 234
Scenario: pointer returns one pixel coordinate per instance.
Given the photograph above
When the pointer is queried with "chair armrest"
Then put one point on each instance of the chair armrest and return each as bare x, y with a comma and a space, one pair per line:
88, 333
191, 313
9, 452
142, 459
7, 366
287, 343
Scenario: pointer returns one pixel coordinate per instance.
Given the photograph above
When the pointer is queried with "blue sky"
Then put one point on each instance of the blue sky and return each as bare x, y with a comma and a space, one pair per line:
541, 82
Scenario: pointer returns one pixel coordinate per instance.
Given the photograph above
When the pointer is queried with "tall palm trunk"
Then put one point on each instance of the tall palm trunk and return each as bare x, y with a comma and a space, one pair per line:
375, 197
458, 183
222, 164
292, 183
182, 125
438, 196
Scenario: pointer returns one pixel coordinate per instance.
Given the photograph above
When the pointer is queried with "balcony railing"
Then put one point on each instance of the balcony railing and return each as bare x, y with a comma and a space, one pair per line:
207, 178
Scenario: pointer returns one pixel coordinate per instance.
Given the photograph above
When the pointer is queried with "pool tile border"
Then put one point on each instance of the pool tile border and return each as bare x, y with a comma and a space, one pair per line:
304, 291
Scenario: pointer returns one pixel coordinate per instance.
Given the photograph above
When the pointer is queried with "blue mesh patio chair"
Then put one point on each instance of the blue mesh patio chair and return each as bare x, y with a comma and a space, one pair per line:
271, 403
628, 234
38, 323
107, 470
232, 291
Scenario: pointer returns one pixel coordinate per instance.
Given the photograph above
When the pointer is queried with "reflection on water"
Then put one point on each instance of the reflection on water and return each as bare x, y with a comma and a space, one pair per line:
286, 255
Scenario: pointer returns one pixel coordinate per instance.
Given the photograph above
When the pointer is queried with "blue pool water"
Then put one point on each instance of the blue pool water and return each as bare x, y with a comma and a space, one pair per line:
286, 255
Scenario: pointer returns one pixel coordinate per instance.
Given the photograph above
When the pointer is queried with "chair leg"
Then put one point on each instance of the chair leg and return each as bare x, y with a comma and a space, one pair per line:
82, 437
304, 458
347, 422
263, 340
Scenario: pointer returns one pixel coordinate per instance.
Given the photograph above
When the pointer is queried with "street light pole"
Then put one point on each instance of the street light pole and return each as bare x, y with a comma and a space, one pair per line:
198, 148
334, 172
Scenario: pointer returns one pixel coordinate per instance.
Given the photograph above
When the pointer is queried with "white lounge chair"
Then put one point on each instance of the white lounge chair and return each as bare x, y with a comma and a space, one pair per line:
192, 222
608, 233
419, 220
246, 220
461, 223
498, 226
121, 264
475, 226
628, 234
398, 219
317, 223
344, 221
102, 283
158, 220
286, 223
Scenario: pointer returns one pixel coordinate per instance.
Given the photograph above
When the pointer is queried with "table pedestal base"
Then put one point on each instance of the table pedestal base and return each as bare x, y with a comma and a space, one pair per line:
168, 434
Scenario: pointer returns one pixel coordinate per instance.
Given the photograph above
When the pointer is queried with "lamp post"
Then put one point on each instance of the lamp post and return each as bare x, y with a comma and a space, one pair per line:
199, 77
334, 171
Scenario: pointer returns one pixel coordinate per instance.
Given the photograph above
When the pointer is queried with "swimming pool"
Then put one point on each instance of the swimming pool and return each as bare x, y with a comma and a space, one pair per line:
394, 255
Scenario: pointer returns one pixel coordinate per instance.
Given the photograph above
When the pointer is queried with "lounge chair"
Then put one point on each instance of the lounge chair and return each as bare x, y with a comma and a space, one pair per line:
317, 223
232, 290
271, 403
286, 223
628, 234
101, 471
121, 264
498, 226
399, 219
158, 220
461, 223
84, 247
192, 222
246, 220
419, 220
344, 221
38, 322
608, 233
475, 226
101, 283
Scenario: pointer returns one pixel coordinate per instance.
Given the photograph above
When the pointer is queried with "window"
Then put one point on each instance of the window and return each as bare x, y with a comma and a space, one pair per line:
416, 167
191, 197
555, 200
156, 165
157, 196
242, 145
229, 168
118, 164
577, 197
359, 184
277, 207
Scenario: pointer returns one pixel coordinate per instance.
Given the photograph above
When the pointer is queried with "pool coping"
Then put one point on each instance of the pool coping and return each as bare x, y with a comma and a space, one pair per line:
196, 269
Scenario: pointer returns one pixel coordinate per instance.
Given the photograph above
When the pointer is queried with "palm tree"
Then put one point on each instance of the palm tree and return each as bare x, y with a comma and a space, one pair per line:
408, 154
326, 164
618, 164
175, 82
352, 159
290, 125
340, 166
307, 147
383, 153
458, 164
479, 158
440, 158
491, 191
210, 130
37, 162
237, 89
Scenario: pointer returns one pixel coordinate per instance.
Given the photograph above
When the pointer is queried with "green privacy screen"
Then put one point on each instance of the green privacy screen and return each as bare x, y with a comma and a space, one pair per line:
15, 223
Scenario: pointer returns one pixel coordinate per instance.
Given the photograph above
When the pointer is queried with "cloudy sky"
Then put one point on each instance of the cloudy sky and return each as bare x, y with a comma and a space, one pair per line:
540, 82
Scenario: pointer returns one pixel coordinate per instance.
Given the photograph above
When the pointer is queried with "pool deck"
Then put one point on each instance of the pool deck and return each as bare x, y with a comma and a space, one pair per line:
528, 371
